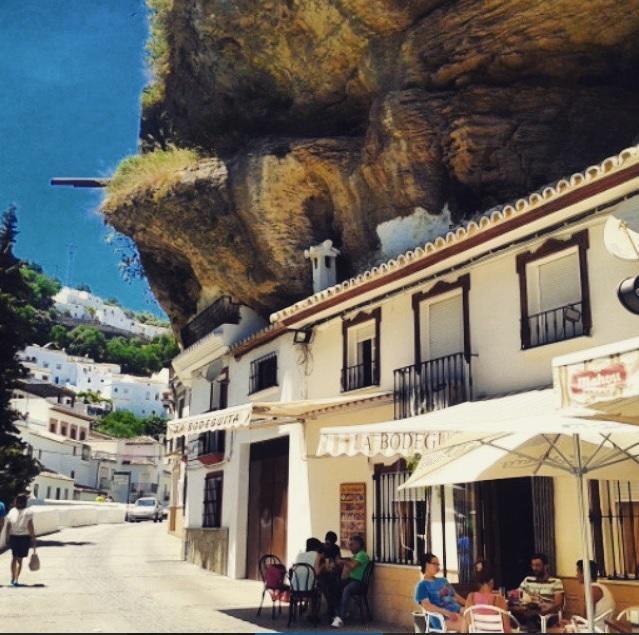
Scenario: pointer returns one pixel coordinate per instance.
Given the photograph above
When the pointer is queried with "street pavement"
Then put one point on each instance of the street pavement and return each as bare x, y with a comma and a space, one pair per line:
129, 578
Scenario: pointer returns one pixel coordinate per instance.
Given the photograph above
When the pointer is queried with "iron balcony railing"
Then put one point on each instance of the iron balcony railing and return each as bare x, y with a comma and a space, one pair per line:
222, 311
554, 325
360, 376
432, 385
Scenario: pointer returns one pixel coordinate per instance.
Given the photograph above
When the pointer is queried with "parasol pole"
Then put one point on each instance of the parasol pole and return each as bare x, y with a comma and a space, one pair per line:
583, 525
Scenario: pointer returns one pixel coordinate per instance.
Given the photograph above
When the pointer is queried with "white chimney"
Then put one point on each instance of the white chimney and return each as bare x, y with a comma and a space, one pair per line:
323, 259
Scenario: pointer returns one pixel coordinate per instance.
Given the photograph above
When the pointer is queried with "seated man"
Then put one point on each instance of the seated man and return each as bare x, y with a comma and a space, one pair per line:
352, 573
541, 594
437, 595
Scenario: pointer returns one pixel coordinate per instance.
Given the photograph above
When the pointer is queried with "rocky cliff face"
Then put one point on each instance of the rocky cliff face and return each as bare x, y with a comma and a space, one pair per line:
329, 118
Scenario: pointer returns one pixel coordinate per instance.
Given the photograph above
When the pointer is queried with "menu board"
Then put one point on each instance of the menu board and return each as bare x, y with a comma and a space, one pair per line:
352, 512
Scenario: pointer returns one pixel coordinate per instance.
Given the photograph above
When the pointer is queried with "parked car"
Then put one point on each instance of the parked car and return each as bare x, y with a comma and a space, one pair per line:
165, 511
147, 508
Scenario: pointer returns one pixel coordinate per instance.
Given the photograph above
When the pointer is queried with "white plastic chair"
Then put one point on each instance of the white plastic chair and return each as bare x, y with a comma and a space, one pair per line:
559, 615
422, 622
624, 614
486, 618
581, 623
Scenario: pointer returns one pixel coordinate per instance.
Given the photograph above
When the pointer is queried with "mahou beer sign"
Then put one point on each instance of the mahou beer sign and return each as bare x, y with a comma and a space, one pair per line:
605, 382
602, 379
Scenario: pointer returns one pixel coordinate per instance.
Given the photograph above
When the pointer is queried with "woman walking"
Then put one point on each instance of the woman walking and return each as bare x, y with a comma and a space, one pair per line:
21, 535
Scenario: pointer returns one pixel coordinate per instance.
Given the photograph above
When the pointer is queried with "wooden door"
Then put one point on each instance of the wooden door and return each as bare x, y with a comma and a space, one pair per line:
268, 503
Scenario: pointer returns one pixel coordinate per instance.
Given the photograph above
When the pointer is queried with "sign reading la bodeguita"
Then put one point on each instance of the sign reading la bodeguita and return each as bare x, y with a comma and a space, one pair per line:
219, 420
603, 379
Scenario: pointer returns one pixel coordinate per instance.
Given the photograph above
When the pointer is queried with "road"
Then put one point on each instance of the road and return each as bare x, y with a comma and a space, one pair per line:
129, 578
122, 578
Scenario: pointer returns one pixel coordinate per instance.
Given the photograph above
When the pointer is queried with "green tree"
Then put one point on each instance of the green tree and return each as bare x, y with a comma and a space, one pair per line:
43, 287
17, 469
84, 287
87, 341
124, 424
59, 335
154, 426
37, 310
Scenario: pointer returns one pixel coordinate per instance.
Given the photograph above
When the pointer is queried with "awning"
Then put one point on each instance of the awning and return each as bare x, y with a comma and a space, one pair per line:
604, 379
531, 410
258, 412
235, 417
306, 407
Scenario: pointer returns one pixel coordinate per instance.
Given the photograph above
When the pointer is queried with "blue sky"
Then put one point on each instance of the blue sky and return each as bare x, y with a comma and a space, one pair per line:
71, 73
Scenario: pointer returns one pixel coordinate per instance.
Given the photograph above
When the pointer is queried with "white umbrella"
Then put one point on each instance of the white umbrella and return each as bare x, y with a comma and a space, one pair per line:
580, 449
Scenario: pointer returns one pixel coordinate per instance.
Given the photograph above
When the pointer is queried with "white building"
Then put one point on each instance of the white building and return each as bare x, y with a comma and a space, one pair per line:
143, 396
84, 306
476, 314
129, 469
51, 485
56, 431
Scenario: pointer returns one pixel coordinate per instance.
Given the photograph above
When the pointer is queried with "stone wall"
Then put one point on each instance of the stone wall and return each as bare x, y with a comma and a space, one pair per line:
207, 548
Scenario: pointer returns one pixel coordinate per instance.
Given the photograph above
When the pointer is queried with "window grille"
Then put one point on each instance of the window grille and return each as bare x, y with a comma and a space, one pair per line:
263, 373
614, 517
212, 516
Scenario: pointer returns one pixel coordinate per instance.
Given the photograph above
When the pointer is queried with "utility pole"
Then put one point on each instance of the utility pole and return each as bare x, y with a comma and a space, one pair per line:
70, 258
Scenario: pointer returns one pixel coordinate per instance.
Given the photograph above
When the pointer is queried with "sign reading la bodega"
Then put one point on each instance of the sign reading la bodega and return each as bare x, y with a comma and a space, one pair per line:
378, 443
219, 420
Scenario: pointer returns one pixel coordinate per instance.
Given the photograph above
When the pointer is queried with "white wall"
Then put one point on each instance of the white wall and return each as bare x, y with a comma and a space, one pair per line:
48, 485
53, 516
58, 455
140, 395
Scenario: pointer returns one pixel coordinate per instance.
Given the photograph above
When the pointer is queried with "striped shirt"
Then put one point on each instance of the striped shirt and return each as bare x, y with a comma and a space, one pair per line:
544, 589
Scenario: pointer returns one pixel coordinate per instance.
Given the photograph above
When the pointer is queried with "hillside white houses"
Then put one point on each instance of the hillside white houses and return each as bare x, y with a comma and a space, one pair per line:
278, 432
84, 306
144, 396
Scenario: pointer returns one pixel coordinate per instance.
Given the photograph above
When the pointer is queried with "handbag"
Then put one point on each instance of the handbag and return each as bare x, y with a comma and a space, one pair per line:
34, 561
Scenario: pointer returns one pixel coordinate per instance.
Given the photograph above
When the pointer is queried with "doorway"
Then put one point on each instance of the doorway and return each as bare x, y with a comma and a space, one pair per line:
267, 503
508, 528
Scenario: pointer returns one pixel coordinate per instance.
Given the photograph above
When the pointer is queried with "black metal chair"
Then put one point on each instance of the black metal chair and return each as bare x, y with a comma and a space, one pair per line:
361, 596
275, 589
303, 593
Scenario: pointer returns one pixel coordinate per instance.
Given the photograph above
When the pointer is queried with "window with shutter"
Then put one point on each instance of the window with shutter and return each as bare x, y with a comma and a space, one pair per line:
442, 327
554, 283
361, 351
554, 292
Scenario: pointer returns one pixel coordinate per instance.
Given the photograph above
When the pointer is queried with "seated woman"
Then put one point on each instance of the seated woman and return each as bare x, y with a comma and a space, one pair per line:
299, 582
436, 594
602, 598
311, 557
486, 595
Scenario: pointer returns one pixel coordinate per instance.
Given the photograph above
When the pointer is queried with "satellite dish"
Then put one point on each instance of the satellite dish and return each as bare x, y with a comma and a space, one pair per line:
621, 234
